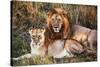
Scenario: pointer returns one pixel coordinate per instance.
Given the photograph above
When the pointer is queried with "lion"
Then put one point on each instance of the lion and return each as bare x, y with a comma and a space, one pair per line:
57, 22
58, 29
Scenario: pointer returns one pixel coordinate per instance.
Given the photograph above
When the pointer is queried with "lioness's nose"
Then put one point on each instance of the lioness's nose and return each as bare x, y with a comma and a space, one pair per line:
36, 43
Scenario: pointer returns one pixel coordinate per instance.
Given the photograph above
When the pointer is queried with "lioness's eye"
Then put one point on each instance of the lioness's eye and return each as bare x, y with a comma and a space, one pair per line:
39, 37
52, 19
33, 36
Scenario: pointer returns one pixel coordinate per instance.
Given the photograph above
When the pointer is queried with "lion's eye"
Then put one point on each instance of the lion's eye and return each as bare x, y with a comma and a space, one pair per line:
59, 20
53, 19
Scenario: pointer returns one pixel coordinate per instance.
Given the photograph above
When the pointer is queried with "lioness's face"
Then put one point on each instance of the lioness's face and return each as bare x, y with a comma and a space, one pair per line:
37, 36
56, 22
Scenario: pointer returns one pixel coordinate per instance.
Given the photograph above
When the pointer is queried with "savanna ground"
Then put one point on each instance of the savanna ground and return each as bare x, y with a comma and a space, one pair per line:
30, 14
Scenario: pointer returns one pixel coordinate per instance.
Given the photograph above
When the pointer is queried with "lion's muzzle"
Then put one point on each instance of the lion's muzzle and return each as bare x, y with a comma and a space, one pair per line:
56, 29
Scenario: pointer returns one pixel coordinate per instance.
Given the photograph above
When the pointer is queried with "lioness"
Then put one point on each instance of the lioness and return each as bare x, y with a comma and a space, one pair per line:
37, 40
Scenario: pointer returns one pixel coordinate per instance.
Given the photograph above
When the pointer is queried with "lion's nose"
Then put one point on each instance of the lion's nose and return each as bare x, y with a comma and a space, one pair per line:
55, 27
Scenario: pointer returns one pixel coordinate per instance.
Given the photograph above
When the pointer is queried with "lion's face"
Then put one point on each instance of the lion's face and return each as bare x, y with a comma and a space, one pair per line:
56, 22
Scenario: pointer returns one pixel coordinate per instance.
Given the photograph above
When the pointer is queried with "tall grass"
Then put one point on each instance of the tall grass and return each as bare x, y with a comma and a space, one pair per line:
31, 14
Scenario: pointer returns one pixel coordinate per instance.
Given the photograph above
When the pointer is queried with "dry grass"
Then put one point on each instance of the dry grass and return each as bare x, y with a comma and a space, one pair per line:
37, 60
28, 14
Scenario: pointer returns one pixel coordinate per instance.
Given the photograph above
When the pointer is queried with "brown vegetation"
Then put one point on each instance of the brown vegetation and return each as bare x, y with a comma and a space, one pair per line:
31, 14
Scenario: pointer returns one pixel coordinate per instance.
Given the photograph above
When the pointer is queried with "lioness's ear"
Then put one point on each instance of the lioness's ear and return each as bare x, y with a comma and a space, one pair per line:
42, 30
30, 30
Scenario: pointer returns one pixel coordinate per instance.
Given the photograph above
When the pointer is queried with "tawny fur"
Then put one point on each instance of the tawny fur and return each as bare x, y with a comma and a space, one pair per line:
87, 37
73, 46
50, 35
37, 40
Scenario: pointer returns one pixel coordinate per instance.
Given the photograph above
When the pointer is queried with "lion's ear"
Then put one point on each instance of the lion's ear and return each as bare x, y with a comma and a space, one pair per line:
50, 12
65, 12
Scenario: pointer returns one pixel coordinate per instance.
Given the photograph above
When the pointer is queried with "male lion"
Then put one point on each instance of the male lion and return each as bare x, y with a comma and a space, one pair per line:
58, 23
57, 39
58, 29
